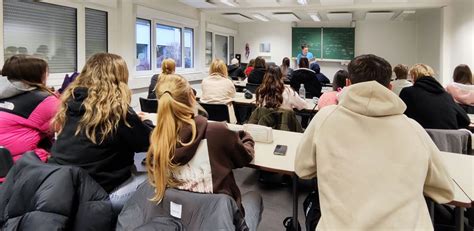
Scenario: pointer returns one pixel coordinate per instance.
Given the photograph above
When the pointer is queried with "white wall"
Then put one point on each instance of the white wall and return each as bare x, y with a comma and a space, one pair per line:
428, 31
458, 36
393, 40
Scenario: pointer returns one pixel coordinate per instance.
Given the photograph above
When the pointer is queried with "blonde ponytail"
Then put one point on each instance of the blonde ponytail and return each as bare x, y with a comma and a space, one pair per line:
175, 111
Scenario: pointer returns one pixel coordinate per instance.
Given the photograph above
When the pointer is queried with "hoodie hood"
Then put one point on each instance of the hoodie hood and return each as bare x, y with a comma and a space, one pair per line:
184, 154
74, 104
10, 88
371, 99
429, 84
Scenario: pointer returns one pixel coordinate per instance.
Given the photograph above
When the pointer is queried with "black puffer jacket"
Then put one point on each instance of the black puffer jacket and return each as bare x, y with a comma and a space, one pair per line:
235, 71
39, 196
307, 77
432, 107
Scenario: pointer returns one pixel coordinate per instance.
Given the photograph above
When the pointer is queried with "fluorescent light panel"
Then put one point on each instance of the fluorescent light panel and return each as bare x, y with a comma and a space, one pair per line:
315, 17
200, 4
236, 17
229, 3
379, 16
340, 16
302, 2
261, 17
286, 16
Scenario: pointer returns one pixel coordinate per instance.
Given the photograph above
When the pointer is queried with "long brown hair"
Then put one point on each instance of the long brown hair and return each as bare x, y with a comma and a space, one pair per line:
462, 74
270, 92
27, 69
285, 65
175, 111
108, 97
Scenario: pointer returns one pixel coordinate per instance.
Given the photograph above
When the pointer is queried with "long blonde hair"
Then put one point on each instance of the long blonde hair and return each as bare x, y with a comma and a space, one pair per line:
175, 110
108, 97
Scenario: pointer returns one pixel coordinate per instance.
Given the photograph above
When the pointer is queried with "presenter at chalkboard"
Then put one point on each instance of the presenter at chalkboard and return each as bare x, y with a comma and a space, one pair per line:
304, 53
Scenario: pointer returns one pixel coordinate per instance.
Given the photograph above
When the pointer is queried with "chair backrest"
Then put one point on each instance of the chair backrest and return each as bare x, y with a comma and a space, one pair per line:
252, 87
279, 119
216, 112
197, 211
6, 161
455, 141
148, 105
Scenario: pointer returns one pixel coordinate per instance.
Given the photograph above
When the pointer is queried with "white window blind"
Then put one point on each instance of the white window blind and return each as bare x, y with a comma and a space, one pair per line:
41, 29
96, 32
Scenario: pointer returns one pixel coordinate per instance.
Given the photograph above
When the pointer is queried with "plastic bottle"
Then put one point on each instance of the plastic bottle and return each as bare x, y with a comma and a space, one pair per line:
302, 91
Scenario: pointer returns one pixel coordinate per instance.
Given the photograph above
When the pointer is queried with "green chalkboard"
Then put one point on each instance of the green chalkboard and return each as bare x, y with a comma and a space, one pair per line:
338, 43
308, 36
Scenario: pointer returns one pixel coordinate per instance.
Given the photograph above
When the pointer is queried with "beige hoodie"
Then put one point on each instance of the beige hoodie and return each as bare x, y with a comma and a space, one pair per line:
373, 163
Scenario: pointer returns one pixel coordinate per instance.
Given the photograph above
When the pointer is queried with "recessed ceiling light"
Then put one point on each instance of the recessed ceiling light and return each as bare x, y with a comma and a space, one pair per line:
261, 17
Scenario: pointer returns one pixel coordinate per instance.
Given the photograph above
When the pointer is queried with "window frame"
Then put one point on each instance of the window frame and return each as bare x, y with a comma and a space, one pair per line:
152, 48
55, 79
183, 27
106, 27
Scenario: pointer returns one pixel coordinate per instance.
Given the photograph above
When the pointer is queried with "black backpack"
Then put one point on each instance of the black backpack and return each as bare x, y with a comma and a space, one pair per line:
312, 210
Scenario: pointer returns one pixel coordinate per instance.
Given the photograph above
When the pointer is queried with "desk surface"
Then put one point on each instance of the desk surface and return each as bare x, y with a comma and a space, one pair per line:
461, 169
264, 157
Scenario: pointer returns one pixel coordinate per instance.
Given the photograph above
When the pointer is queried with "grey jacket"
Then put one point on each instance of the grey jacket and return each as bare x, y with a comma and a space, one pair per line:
198, 211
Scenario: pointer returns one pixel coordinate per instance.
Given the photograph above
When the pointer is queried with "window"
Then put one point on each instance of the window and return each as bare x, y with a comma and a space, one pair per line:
231, 47
188, 47
96, 32
168, 44
208, 48
41, 29
221, 48
143, 37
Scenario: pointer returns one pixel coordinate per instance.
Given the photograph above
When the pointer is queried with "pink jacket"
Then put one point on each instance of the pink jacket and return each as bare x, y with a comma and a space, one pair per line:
462, 93
328, 98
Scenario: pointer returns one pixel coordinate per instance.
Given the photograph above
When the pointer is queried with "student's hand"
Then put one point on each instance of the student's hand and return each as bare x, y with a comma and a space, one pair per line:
143, 116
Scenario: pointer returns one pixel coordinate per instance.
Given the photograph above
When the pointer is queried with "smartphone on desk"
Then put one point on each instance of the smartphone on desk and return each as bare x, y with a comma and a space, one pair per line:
280, 150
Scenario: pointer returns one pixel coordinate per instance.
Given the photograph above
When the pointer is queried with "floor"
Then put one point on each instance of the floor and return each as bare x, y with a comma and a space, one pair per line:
277, 200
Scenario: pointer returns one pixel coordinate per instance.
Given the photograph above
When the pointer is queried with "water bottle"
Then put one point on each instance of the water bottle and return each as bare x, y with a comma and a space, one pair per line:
302, 92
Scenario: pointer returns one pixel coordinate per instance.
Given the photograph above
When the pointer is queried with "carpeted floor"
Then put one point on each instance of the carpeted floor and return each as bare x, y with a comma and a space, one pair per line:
277, 200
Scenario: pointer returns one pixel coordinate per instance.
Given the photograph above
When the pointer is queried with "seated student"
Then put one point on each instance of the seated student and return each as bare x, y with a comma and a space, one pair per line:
306, 76
286, 70
321, 77
331, 97
462, 89
26, 107
218, 88
168, 66
256, 75
273, 93
249, 67
98, 130
401, 71
429, 104
186, 151
235, 71
376, 173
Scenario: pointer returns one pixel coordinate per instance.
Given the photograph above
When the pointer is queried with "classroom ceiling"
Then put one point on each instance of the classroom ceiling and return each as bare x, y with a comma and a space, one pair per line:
241, 11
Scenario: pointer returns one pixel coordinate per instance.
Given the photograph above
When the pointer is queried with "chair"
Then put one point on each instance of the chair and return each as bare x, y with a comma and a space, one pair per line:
455, 141
198, 211
217, 112
148, 105
252, 87
6, 161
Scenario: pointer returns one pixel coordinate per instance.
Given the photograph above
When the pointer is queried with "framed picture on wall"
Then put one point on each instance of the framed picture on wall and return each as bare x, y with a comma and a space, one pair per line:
265, 47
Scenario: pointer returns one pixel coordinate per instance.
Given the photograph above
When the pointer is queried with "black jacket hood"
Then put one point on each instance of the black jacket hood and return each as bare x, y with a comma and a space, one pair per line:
429, 84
